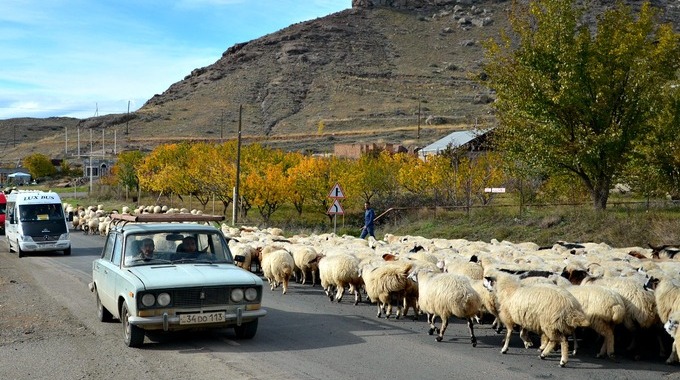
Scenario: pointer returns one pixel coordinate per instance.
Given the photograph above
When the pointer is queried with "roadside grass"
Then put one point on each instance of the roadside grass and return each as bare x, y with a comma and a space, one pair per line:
621, 225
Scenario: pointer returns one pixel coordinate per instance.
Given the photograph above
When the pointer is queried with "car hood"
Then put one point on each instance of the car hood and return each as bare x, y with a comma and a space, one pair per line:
188, 275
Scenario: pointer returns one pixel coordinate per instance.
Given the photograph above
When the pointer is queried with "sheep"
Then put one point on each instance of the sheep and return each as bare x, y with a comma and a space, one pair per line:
671, 327
604, 309
338, 271
277, 267
545, 309
639, 303
667, 297
384, 282
306, 260
666, 294
444, 295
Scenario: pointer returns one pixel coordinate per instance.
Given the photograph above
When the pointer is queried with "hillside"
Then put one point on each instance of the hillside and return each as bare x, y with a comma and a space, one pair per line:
357, 76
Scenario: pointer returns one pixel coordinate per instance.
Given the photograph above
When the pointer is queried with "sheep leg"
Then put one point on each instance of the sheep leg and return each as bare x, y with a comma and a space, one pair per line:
673, 358
576, 343
608, 344
524, 334
550, 346
508, 332
445, 324
313, 278
473, 339
357, 296
564, 348
340, 293
431, 322
285, 285
329, 292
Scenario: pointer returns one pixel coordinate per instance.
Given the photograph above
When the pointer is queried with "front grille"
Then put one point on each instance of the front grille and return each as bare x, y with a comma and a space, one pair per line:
201, 297
39, 238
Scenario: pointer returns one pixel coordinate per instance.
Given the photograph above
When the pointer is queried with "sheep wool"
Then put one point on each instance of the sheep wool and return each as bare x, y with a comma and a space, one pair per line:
446, 295
545, 309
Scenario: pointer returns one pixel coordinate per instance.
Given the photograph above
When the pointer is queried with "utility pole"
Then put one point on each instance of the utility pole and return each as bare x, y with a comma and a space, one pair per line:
237, 204
127, 121
418, 134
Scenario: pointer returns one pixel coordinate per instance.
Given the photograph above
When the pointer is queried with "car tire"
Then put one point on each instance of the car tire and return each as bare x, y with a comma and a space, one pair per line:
9, 245
102, 313
67, 251
133, 335
19, 251
246, 330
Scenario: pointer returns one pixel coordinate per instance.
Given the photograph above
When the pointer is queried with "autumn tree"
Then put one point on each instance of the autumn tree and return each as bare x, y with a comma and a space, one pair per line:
576, 100
164, 170
39, 165
125, 169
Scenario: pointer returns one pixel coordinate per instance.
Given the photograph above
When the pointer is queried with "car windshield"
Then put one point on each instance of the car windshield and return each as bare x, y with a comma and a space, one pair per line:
28, 213
176, 247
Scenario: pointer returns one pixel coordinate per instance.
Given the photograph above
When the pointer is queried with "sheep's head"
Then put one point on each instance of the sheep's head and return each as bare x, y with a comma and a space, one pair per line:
671, 326
575, 276
652, 283
490, 283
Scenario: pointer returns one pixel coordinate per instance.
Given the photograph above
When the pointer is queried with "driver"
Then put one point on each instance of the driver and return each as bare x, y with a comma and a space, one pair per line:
146, 249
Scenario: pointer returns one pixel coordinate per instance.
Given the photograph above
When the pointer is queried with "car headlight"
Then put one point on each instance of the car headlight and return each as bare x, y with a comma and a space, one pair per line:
63, 236
237, 295
164, 299
251, 294
148, 300
26, 239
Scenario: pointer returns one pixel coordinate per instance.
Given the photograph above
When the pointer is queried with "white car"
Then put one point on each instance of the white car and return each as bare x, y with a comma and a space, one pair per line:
165, 272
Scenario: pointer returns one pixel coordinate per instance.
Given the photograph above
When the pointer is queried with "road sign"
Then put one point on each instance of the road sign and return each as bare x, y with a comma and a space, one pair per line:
336, 208
336, 192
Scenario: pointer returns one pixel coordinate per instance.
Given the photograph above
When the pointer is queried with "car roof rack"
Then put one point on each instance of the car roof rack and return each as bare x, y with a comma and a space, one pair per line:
164, 218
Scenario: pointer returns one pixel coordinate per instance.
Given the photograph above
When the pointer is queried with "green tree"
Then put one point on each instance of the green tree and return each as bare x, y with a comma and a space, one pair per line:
39, 165
125, 169
575, 101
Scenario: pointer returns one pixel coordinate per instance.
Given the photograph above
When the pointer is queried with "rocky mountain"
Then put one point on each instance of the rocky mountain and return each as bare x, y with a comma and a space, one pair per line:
385, 71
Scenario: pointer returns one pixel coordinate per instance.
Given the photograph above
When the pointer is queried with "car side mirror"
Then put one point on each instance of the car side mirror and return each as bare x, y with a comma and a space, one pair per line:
239, 259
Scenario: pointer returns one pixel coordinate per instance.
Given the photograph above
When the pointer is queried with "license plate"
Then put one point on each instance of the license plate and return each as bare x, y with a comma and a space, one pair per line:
194, 319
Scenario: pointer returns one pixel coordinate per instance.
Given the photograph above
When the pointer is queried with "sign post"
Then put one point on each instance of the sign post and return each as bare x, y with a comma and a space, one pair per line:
336, 194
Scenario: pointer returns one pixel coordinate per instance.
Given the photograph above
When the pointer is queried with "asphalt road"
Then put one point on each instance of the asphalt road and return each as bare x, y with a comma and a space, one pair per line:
304, 336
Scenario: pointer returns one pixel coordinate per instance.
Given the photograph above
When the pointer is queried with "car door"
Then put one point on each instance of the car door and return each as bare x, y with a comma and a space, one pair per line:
105, 271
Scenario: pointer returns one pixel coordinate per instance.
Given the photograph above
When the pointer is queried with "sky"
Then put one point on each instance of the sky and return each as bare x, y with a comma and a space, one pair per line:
84, 58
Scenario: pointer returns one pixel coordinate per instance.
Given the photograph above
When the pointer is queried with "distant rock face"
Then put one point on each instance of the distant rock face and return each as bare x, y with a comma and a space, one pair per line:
398, 3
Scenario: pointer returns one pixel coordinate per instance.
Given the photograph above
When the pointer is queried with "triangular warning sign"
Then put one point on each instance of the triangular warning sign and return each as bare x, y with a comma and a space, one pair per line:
336, 208
336, 192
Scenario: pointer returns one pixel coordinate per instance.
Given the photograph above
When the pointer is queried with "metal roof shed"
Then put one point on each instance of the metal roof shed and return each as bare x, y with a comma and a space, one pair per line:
454, 140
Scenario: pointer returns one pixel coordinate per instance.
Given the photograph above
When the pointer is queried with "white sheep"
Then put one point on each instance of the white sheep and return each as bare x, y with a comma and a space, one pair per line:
387, 281
640, 303
306, 260
604, 309
445, 295
672, 328
667, 298
277, 267
545, 309
340, 270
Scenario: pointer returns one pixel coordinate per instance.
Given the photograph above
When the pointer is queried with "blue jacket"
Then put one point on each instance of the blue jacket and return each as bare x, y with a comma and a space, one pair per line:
369, 215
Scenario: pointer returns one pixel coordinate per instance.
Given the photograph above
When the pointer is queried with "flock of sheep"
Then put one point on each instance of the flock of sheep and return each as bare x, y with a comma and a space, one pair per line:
625, 293
550, 291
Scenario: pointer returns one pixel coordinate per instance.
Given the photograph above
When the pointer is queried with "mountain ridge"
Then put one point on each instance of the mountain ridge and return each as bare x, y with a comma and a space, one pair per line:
402, 72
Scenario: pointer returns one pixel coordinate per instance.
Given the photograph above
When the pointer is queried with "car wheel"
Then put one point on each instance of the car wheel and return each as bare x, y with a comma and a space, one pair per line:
9, 245
67, 251
134, 336
19, 251
246, 330
102, 314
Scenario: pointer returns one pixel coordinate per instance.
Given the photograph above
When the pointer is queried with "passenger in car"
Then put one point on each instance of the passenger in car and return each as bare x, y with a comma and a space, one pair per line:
188, 245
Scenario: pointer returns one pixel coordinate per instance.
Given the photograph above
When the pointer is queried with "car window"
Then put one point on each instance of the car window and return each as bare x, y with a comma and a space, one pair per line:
107, 253
117, 250
176, 247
